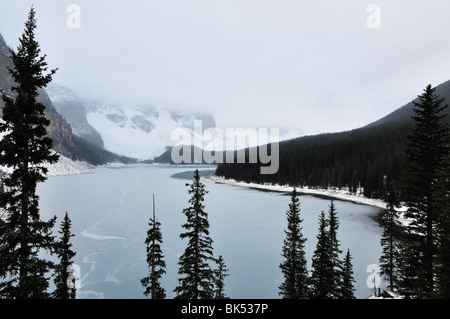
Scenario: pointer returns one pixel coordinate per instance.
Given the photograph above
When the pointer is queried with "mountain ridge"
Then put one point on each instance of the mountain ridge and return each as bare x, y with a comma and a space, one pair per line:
406, 111
68, 105
366, 158
59, 130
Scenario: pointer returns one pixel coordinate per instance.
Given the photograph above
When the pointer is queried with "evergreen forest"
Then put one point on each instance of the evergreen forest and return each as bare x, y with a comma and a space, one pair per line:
364, 160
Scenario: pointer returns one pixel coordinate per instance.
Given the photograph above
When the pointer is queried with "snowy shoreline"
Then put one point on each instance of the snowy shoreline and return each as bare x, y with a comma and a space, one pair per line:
64, 167
340, 194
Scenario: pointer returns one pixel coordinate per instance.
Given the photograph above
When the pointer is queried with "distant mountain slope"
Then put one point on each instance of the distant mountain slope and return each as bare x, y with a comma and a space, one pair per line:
64, 142
59, 130
5, 61
68, 105
368, 157
404, 113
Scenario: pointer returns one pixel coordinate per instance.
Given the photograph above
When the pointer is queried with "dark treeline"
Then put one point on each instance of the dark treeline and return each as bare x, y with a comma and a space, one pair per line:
96, 155
368, 157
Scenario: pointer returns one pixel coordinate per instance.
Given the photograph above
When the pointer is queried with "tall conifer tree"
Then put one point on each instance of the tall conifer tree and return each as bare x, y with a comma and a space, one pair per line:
64, 289
155, 259
197, 281
389, 260
219, 279
322, 271
294, 269
426, 149
334, 251
347, 287
327, 267
24, 148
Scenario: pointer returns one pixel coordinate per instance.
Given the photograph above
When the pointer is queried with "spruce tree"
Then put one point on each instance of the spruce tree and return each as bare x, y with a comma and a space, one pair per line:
322, 270
334, 251
219, 279
327, 267
426, 149
389, 258
197, 281
347, 287
64, 288
24, 148
294, 269
155, 260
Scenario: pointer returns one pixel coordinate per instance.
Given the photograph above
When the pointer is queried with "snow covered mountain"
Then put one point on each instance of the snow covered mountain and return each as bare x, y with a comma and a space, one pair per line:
140, 131
145, 132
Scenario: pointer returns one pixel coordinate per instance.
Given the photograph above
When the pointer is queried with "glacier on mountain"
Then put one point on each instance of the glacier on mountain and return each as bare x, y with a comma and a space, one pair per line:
142, 132
138, 131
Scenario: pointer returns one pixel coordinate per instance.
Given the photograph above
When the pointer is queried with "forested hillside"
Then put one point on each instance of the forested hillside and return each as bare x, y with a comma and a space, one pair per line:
368, 157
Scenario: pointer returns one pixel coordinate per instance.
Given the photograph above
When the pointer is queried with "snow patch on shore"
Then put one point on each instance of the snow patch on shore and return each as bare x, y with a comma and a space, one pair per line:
64, 166
342, 194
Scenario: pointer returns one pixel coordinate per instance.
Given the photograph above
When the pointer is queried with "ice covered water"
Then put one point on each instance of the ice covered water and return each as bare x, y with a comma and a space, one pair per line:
110, 210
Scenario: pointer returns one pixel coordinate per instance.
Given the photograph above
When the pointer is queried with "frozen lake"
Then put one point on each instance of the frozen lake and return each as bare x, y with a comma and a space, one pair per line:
110, 210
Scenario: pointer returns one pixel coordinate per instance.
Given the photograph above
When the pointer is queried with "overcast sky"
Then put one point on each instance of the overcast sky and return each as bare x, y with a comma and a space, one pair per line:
315, 66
